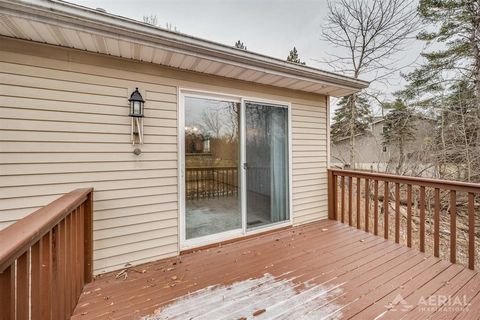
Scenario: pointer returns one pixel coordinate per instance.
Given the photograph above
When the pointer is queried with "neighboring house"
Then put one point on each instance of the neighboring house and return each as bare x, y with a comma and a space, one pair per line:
258, 161
372, 154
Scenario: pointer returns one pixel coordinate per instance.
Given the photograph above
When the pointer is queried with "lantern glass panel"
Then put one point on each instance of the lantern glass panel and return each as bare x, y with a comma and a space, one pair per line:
136, 108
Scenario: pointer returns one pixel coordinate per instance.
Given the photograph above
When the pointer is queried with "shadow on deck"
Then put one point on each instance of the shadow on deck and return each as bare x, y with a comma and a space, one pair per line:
321, 270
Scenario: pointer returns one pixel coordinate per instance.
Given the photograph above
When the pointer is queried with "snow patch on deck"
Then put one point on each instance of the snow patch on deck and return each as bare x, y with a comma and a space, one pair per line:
266, 297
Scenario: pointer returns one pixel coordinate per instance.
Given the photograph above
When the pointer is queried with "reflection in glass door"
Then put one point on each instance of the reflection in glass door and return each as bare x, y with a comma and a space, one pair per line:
212, 180
266, 164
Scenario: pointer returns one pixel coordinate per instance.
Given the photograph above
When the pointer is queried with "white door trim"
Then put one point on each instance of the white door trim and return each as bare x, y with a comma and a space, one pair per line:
231, 234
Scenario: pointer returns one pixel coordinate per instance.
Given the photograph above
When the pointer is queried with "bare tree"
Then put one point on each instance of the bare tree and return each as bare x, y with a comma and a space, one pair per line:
368, 33
212, 122
171, 27
151, 19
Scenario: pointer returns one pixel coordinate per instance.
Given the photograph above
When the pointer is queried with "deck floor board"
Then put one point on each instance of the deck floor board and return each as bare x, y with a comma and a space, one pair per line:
322, 270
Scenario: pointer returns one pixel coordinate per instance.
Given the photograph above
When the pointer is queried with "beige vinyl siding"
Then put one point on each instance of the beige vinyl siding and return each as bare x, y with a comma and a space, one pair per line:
64, 124
309, 157
61, 130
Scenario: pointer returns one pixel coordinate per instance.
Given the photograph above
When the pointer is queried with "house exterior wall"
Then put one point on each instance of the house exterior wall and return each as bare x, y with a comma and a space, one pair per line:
369, 151
64, 124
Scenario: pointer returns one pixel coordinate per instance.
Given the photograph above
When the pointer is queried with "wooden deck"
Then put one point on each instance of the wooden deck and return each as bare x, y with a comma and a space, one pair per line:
323, 270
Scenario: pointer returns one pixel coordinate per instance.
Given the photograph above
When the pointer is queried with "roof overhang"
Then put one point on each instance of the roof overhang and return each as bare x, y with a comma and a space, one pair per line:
64, 24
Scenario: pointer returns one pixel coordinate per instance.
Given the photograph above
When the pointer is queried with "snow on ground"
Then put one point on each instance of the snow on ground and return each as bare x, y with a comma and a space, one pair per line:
266, 297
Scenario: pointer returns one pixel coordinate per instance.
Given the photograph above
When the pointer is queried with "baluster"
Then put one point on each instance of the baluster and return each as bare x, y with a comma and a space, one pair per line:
46, 277
335, 196
75, 252
453, 226
197, 173
367, 204
385, 209
397, 212
64, 267
205, 183
72, 254
78, 250
234, 182
215, 181
358, 202
471, 231
68, 263
35, 257
228, 186
436, 223
343, 199
56, 272
350, 200
82, 243
375, 209
186, 184
88, 238
7, 293
409, 215
23, 286
422, 219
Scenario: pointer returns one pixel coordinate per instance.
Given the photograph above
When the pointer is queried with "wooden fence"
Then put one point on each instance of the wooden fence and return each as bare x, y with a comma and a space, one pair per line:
353, 205
46, 259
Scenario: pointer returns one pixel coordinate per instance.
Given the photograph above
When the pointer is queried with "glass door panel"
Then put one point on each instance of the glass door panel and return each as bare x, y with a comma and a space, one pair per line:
266, 164
212, 180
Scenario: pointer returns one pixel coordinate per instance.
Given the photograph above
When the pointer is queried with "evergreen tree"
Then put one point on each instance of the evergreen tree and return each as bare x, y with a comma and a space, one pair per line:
342, 120
454, 26
240, 45
293, 57
447, 84
399, 129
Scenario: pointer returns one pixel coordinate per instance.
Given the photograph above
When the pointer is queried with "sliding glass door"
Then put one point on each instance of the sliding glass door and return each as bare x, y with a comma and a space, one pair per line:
212, 175
235, 167
266, 165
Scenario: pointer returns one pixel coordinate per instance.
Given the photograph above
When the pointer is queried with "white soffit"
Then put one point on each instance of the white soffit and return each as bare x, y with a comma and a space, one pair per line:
68, 25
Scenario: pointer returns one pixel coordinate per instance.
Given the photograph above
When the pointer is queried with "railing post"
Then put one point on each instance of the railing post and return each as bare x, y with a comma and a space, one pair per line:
332, 212
471, 231
88, 238
7, 294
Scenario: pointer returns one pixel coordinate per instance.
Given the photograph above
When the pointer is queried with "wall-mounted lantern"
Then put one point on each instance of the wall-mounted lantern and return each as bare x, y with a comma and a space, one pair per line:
136, 113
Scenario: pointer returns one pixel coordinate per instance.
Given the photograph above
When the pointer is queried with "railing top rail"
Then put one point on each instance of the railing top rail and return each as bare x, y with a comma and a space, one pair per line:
426, 182
18, 237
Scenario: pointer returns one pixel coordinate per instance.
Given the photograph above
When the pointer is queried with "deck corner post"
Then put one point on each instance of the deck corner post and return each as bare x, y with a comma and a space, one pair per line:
88, 238
332, 212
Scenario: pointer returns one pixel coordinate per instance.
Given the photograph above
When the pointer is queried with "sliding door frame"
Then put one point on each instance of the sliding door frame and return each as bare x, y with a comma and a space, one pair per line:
243, 231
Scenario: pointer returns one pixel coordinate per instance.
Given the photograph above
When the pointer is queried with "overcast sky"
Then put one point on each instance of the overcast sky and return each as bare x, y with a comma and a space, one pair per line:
270, 27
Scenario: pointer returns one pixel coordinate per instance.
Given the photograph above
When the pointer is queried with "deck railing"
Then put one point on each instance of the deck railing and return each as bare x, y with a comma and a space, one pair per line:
46, 259
353, 195
211, 182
